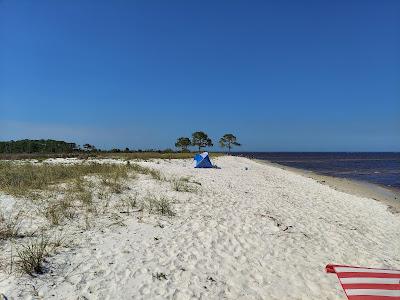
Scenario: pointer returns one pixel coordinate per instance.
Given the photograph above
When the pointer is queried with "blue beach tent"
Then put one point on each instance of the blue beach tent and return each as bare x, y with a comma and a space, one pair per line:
202, 161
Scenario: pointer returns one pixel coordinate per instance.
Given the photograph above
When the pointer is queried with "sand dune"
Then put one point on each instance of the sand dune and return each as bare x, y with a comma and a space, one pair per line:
249, 231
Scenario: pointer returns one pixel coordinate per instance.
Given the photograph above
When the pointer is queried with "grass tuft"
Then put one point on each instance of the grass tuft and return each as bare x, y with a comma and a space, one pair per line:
155, 174
57, 212
183, 185
32, 255
128, 203
160, 205
10, 225
113, 184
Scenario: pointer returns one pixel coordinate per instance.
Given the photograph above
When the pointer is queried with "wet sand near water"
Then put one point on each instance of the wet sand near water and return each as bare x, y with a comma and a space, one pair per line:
388, 196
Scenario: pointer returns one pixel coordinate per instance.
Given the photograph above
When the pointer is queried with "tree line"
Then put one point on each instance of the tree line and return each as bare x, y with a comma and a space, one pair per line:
201, 140
37, 146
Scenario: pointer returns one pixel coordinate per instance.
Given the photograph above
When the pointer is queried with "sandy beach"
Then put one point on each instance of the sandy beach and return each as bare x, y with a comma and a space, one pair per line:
248, 230
389, 196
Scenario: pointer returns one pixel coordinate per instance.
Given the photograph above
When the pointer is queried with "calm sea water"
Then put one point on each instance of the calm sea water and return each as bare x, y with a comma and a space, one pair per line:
380, 168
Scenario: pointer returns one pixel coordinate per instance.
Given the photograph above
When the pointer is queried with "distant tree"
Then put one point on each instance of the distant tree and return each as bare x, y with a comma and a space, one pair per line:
89, 147
201, 140
228, 141
127, 149
73, 146
183, 143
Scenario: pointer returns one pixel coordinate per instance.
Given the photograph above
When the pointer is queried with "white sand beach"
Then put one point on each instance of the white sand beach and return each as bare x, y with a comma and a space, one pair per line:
244, 231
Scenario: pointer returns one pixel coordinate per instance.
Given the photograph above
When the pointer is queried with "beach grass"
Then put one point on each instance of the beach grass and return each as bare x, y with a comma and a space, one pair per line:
183, 185
72, 194
10, 225
158, 205
63, 192
21, 179
31, 256
100, 155
128, 203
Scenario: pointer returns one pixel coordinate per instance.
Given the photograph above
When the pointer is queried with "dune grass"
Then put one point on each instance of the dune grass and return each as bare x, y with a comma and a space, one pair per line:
32, 255
158, 205
71, 195
45, 181
155, 174
120, 155
10, 225
128, 203
64, 191
20, 179
146, 155
183, 185
154, 155
56, 212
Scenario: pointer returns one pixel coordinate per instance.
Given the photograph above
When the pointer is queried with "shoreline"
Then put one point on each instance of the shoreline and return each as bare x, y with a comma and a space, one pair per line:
389, 197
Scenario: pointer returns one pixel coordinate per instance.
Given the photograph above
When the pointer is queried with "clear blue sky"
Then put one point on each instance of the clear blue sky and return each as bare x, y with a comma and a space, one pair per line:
280, 75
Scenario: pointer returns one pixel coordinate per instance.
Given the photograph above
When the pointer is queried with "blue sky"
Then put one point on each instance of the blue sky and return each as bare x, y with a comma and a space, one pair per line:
280, 75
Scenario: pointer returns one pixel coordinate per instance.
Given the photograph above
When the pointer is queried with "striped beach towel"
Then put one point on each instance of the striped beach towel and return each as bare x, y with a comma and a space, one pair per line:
367, 283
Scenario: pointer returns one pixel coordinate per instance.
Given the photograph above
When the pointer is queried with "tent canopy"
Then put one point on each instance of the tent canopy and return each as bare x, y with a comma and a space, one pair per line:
202, 161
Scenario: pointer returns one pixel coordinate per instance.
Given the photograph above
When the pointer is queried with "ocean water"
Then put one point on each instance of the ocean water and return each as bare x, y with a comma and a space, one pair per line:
381, 168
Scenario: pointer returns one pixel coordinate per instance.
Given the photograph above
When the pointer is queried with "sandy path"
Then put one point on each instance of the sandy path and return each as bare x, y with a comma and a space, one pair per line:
260, 233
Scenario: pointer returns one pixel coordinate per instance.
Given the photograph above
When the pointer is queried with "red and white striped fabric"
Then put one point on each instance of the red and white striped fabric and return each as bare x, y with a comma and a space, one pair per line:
367, 283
